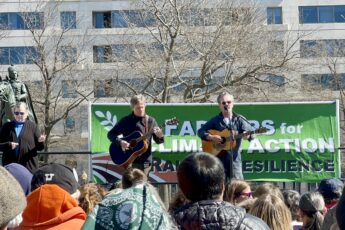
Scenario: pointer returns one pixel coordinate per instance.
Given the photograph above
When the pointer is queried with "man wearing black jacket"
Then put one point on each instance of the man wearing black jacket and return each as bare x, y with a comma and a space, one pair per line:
201, 179
138, 120
21, 139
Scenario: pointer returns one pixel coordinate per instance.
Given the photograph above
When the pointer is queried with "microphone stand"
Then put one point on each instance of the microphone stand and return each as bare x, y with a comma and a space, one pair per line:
231, 173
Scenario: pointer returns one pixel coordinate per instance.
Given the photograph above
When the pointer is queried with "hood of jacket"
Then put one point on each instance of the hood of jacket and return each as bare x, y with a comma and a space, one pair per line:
49, 206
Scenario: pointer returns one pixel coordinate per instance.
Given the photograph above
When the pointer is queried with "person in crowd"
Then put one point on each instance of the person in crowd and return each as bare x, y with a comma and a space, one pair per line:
312, 209
268, 188
237, 191
201, 178
135, 207
21, 139
59, 174
53, 202
330, 189
291, 199
138, 120
51, 207
90, 195
340, 211
12, 200
22, 175
273, 211
132, 177
247, 204
236, 123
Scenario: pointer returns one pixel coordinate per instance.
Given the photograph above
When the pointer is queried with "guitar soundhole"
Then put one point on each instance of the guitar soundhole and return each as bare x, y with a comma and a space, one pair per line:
132, 144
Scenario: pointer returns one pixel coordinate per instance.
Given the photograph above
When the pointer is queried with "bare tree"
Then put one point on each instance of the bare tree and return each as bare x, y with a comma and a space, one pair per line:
190, 50
57, 55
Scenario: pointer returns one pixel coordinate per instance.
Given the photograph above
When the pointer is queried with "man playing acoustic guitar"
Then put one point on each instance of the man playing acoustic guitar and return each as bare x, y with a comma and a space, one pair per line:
233, 124
137, 121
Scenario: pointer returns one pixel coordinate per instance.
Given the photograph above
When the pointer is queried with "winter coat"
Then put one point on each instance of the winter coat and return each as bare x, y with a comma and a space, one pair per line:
212, 214
28, 145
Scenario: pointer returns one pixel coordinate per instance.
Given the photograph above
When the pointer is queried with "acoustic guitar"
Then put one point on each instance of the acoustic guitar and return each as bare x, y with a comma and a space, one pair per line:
228, 142
138, 144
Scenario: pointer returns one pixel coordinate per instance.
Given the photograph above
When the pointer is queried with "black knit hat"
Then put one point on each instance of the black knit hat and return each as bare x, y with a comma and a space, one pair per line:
55, 173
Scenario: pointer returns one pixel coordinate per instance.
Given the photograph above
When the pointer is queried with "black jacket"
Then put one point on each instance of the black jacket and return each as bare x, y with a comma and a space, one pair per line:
28, 145
211, 214
132, 123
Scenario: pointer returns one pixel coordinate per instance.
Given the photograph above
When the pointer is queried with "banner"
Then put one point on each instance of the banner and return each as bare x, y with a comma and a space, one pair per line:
301, 143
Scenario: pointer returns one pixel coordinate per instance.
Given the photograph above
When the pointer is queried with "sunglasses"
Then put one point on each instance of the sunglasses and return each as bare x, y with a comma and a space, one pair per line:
247, 194
226, 102
19, 113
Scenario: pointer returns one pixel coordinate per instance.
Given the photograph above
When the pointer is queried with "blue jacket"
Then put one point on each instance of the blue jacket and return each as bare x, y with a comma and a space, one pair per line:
237, 123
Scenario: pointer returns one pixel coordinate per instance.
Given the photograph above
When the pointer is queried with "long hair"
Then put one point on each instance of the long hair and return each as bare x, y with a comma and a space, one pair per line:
268, 188
233, 190
291, 199
133, 176
90, 195
273, 211
312, 206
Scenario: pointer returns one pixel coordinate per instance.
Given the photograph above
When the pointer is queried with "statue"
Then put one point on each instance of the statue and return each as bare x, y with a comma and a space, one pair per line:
8, 102
12, 90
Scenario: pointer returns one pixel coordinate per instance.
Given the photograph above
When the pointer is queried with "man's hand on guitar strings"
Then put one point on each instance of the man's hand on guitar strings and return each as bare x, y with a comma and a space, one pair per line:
124, 145
158, 132
214, 138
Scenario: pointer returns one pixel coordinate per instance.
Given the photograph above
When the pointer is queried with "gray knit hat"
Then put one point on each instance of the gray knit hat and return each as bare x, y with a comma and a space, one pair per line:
12, 198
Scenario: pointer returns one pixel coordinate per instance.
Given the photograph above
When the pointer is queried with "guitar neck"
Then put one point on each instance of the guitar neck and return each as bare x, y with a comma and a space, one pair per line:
240, 135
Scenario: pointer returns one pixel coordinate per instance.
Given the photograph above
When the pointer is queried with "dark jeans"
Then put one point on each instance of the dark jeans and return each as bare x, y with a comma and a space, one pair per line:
233, 168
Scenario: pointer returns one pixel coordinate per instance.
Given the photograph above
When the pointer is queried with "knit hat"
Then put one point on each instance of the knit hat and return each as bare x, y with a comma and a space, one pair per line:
132, 208
12, 198
55, 173
330, 188
22, 175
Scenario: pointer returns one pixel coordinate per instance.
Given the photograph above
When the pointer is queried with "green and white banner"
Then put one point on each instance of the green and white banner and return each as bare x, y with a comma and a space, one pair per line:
301, 144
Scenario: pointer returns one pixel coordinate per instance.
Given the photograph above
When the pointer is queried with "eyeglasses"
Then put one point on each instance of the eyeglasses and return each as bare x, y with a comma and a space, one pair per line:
19, 113
247, 194
226, 102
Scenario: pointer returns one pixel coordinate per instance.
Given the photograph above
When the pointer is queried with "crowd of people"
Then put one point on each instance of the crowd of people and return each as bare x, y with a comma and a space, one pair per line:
51, 198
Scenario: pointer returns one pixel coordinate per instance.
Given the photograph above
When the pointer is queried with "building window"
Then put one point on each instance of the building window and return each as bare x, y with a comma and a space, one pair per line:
324, 81
277, 80
21, 21
104, 88
274, 15
17, 55
68, 54
102, 54
70, 124
68, 20
69, 88
122, 19
322, 14
322, 48
101, 19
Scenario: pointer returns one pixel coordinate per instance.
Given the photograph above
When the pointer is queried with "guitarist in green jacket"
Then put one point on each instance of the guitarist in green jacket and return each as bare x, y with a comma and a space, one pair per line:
136, 123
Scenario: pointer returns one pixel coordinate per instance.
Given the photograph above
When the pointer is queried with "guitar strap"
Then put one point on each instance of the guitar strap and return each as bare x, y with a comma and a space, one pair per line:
146, 121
